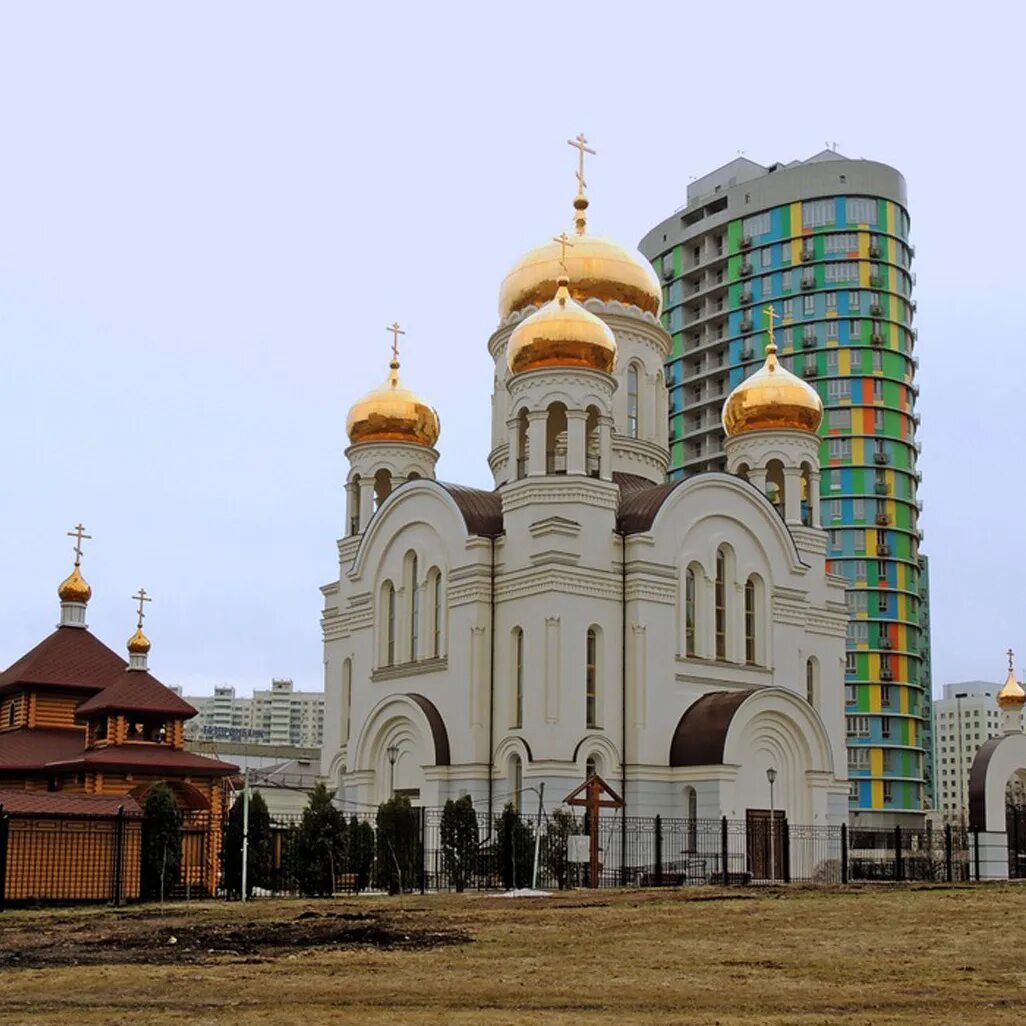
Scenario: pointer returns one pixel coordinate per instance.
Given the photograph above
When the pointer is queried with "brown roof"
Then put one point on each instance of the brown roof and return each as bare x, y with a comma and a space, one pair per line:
148, 757
26, 749
701, 734
631, 482
70, 657
482, 511
138, 692
58, 803
639, 506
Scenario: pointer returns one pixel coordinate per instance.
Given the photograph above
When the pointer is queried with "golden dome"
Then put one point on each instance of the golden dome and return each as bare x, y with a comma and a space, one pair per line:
138, 643
561, 334
392, 413
772, 399
1011, 694
74, 588
598, 269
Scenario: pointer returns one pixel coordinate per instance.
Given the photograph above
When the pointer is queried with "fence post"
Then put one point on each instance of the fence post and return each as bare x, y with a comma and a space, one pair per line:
118, 853
785, 850
423, 848
4, 824
724, 851
976, 854
659, 851
899, 868
948, 874
844, 853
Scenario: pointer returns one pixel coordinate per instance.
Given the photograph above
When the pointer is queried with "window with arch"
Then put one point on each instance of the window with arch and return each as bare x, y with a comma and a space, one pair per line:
690, 592
354, 505
518, 677
591, 678
523, 444
516, 780
720, 599
775, 484
812, 682
414, 607
592, 445
347, 697
382, 487
632, 400
556, 439
591, 767
436, 612
751, 621
389, 601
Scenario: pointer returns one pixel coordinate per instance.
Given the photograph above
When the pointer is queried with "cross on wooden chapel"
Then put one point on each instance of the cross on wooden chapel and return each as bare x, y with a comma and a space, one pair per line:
79, 534
142, 598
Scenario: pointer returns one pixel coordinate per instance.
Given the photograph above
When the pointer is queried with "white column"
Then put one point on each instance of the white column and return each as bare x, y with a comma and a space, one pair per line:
606, 448
814, 498
537, 422
513, 447
757, 475
792, 495
576, 432
366, 501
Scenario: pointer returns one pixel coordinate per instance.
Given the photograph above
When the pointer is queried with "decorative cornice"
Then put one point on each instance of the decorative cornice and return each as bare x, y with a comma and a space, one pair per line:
554, 525
412, 669
564, 580
561, 488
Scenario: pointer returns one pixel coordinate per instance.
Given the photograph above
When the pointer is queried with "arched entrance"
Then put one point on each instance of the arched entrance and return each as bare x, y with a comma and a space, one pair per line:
997, 806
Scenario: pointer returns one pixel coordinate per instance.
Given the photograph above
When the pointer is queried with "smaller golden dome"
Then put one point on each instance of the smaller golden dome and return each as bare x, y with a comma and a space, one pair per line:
138, 643
74, 588
561, 334
1011, 695
392, 413
772, 399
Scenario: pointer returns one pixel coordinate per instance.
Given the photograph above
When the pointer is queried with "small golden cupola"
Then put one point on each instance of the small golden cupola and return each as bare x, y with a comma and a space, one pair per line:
1011, 696
562, 333
772, 399
74, 591
598, 268
138, 643
391, 412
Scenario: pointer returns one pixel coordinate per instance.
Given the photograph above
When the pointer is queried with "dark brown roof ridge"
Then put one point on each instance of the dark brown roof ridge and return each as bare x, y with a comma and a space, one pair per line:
482, 510
69, 657
137, 691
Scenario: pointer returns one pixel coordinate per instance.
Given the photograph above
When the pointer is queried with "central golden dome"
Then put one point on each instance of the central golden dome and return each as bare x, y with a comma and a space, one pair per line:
598, 269
561, 334
1011, 694
772, 399
74, 588
392, 413
138, 643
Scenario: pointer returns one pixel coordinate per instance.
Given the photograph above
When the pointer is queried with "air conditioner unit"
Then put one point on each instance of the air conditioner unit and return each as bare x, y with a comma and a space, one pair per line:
747, 354
883, 550
874, 251
809, 341
746, 269
746, 297
810, 370
878, 339
746, 242
667, 273
882, 488
875, 280
876, 310
883, 519
880, 457
886, 675
807, 255
885, 642
747, 325
808, 283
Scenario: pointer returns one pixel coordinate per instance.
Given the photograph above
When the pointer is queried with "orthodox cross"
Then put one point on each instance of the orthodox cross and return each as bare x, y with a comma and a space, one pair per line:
396, 332
142, 598
593, 801
79, 534
564, 240
1011, 656
580, 144
771, 315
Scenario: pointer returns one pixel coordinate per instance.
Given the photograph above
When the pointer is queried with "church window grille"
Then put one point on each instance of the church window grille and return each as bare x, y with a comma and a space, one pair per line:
591, 679
689, 612
518, 677
414, 609
436, 614
750, 621
632, 401
721, 605
390, 625
810, 682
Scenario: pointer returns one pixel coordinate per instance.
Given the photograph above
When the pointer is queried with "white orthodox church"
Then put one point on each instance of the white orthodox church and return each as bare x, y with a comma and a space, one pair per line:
679, 639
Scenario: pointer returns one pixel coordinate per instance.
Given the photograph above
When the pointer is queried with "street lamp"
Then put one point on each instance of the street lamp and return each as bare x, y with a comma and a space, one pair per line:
392, 751
771, 776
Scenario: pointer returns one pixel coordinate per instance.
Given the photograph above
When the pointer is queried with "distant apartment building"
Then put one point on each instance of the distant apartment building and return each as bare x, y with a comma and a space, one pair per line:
279, 715
964, 718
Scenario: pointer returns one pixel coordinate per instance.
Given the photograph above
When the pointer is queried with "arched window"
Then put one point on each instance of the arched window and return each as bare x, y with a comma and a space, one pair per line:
807, 497
775, 484
354, 505
632, 400
751, 621
382, 487
591, 678
592, 445
523, 444
742, 471
389, 624
436, 613
690, 586
591, 767
414, 608
721, 604
347, 697
516, 780
555, 440
812, 682
518, 677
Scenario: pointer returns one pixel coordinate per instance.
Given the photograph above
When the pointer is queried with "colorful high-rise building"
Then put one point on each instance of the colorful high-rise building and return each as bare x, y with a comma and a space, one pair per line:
825, 241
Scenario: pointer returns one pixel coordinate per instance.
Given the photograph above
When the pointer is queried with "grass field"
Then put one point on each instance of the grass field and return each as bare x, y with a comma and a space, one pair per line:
870, 956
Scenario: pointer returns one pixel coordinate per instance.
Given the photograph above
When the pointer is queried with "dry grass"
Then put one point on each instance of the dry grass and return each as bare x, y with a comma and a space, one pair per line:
886, 956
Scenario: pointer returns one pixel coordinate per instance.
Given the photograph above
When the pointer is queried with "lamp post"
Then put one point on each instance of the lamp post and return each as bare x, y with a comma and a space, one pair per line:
392, 751
771, 776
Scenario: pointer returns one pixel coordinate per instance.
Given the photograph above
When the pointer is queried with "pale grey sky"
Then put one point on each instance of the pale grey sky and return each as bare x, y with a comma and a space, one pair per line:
209, 213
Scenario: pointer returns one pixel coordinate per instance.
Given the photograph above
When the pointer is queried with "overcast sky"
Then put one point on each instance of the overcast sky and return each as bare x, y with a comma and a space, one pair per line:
209, 213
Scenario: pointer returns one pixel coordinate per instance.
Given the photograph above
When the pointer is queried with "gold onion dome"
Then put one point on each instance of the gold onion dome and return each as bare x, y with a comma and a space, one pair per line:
138, 643
772, 399
392, 413
1011, 694
561, 334
74, 588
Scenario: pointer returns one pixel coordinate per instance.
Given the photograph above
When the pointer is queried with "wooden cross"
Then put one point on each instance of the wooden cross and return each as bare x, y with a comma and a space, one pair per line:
396, 332
580, 144
1011, 656
771, 315
78, 534
142, 598
594, 788
564, 240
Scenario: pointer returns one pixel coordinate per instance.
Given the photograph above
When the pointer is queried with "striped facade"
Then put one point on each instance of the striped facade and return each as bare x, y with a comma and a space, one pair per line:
836, 266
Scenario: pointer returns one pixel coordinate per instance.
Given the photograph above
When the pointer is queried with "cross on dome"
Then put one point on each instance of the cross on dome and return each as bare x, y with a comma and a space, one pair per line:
771, 315
79, 535
564, 240
396, 332
581, 200
142, 598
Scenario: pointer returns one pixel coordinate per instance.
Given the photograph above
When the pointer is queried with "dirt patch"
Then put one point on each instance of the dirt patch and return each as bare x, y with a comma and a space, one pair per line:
134, 940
